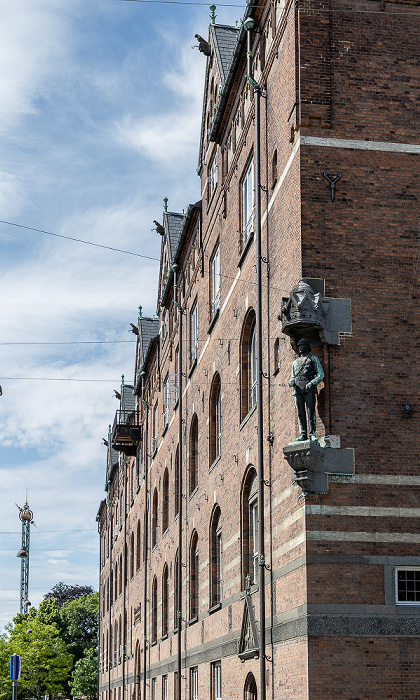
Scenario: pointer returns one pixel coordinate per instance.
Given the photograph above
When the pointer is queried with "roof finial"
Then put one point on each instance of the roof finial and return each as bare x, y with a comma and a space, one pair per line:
122, 380
212, 13
140, 311
165, 205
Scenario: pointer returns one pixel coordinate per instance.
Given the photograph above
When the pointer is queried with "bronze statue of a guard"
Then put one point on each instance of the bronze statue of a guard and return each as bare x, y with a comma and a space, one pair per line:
307, 373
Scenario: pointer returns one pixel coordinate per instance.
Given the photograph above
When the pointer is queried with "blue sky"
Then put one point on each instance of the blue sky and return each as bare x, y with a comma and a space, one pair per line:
100, 106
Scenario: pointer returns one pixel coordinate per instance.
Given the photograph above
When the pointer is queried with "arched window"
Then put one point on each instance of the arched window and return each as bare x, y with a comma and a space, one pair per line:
110, 647
119, 648
165, 577
194, 576
138, 548
250, 688
115, 644
137, 663
249, 516
248, 365
155, 519
116, 582
154, 609
176, 479
132, 555
176, 591
215, 444
216, 557
120, 587
276, 356
193, 459
165, 501
274, 169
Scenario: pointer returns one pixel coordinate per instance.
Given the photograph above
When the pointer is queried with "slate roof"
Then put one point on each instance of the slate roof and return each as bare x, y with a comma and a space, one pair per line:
173, 224
128, 402
112, 462
148, 330
224, 40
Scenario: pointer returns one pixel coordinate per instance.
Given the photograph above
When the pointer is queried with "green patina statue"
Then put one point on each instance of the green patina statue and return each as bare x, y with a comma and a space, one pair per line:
307, 373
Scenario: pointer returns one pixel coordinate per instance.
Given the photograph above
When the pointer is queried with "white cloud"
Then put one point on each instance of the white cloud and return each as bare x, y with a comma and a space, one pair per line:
169, 137
33, 41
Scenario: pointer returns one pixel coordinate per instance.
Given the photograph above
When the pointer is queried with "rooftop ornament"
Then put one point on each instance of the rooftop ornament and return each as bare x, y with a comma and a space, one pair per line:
212, 14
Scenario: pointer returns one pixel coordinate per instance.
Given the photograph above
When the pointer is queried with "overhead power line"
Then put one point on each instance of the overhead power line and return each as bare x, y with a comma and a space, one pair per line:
41, 532
78, 240
72, 342
56, 379
244, 6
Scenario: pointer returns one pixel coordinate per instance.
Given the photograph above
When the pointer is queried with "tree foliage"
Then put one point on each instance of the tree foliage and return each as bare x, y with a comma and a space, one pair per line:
46, 662
79, 621
64, 593
84, 682
61, 636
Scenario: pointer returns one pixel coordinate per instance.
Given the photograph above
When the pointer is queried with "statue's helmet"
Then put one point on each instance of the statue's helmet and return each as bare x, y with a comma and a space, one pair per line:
304, 344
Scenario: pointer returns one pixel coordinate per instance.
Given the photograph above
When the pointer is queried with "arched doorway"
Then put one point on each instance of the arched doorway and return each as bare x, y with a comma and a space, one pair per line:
250, 688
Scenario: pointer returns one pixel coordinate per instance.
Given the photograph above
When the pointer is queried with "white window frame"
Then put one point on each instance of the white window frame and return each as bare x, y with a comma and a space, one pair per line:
218, 426
194, 683
407, 602
219, 556
194, 333
217, 680
253, 368
213, 176
166, 389
155, 436
165, 687
215, 281
248, 203
164, 325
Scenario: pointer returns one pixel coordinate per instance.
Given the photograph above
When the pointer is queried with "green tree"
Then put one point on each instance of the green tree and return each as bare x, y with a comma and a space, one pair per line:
79, 624
84, 682
46, 662
49, 612
5, 682
64, 593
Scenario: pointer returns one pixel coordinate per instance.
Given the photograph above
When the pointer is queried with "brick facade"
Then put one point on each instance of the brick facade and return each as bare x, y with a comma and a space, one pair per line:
340, 95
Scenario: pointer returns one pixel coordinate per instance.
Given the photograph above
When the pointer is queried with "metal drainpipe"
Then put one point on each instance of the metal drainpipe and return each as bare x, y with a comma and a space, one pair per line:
124, 621
111, 544
175, 269
249, 25
146, 532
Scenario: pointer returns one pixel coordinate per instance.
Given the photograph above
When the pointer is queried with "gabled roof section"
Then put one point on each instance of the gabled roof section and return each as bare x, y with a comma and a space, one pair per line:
148, 331
171, 231
112, 463
173, 224
127, 402
223, 39
167, 281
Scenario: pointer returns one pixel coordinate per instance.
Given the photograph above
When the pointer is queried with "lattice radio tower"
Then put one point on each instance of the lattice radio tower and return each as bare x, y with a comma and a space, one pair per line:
27, 518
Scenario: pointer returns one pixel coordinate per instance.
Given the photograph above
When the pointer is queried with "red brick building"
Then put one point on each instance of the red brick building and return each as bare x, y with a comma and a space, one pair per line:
308, 226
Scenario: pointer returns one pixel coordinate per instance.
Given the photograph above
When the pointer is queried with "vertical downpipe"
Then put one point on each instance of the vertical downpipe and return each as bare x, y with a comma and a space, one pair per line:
175, 269
249, 25
110, 594
125, 573
146, 533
